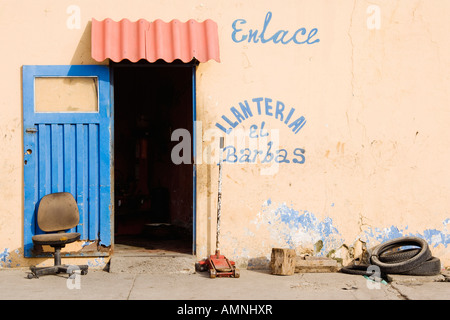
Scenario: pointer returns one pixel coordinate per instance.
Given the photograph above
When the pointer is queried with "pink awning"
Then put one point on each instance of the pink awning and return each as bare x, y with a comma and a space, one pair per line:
154, 40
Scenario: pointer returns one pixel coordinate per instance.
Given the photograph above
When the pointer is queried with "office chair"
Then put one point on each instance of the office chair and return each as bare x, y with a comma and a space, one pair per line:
57, 212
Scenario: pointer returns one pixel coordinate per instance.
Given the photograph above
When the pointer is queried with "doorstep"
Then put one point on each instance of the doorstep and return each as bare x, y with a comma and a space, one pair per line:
154, 263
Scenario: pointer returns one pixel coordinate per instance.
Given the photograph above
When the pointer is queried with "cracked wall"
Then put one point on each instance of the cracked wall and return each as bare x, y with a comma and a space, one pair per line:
373, 152
375, 98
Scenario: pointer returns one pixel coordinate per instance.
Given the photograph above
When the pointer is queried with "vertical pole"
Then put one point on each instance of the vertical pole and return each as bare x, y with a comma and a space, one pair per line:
219, 198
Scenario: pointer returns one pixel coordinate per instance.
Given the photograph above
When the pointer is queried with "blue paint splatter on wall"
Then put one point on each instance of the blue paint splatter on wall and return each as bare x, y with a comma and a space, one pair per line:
433, 237
294, 228
4, 261
297, 228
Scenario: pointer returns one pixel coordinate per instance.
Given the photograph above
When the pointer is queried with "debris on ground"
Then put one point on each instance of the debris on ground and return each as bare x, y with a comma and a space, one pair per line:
285, 262
401, 256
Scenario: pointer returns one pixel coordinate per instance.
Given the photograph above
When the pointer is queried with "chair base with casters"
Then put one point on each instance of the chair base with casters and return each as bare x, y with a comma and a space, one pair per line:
56, 241
57, 213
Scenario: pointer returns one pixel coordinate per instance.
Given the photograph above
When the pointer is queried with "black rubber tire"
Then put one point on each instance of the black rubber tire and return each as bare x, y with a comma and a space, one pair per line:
360, 269
405, 265
355, 269
430, 267
398, 256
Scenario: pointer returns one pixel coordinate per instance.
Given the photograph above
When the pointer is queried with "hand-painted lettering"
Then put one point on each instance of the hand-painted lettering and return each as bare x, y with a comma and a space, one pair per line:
259, 134
268, 107
279, 110
236, 30
261, 106
264, 156
300, 36
299, 152
258, 103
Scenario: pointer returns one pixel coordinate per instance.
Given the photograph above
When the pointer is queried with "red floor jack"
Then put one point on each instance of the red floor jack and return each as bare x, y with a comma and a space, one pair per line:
217, 264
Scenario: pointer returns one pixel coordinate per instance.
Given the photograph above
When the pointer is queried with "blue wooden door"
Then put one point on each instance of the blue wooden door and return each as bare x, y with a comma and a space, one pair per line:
68, 150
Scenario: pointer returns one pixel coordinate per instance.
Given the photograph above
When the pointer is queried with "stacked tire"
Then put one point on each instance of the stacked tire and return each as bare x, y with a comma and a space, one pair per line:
406, 255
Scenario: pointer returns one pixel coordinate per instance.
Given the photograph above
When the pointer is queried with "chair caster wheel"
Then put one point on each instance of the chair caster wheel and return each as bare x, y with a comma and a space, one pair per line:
84, 272
31, 276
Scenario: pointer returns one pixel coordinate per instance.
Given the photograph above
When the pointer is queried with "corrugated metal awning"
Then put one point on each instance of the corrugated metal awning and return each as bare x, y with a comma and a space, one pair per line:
154, 40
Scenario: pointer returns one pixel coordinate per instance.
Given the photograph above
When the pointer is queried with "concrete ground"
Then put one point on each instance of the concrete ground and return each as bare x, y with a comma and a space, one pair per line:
252, 285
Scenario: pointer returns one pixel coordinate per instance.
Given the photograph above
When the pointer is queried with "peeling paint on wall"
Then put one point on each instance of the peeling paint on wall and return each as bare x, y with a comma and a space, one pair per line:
293, 228
433, 237
97, 263
373, 139
304, 231
5, 260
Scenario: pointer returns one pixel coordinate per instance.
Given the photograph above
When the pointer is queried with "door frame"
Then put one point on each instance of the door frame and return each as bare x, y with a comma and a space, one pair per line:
161, 64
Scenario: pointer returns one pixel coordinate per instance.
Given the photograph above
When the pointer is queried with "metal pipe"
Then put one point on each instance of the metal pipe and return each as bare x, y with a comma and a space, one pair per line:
219, 197
57, 255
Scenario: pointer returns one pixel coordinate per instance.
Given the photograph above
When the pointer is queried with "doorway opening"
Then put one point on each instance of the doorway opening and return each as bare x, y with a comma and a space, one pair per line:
154, 198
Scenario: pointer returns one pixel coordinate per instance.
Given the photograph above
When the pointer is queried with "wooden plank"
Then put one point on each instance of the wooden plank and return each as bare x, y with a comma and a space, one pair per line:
93, 150
310, 264
44, 164
45, 182
81, 180
69, 161
57, 160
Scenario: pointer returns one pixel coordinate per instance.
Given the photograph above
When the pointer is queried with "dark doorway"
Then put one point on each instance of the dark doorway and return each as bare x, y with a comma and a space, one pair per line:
153, 196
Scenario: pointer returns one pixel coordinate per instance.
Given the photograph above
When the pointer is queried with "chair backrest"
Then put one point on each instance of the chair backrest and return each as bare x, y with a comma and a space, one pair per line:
57, 212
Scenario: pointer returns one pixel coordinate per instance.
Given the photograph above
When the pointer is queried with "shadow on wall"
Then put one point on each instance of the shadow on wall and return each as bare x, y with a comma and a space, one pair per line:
82, 54
258, 263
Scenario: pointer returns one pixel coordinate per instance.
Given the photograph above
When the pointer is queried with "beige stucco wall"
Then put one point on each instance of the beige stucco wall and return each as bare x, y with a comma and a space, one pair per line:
373, 93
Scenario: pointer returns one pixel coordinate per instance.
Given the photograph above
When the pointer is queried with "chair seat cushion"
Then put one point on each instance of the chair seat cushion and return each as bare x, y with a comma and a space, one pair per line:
55, 238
